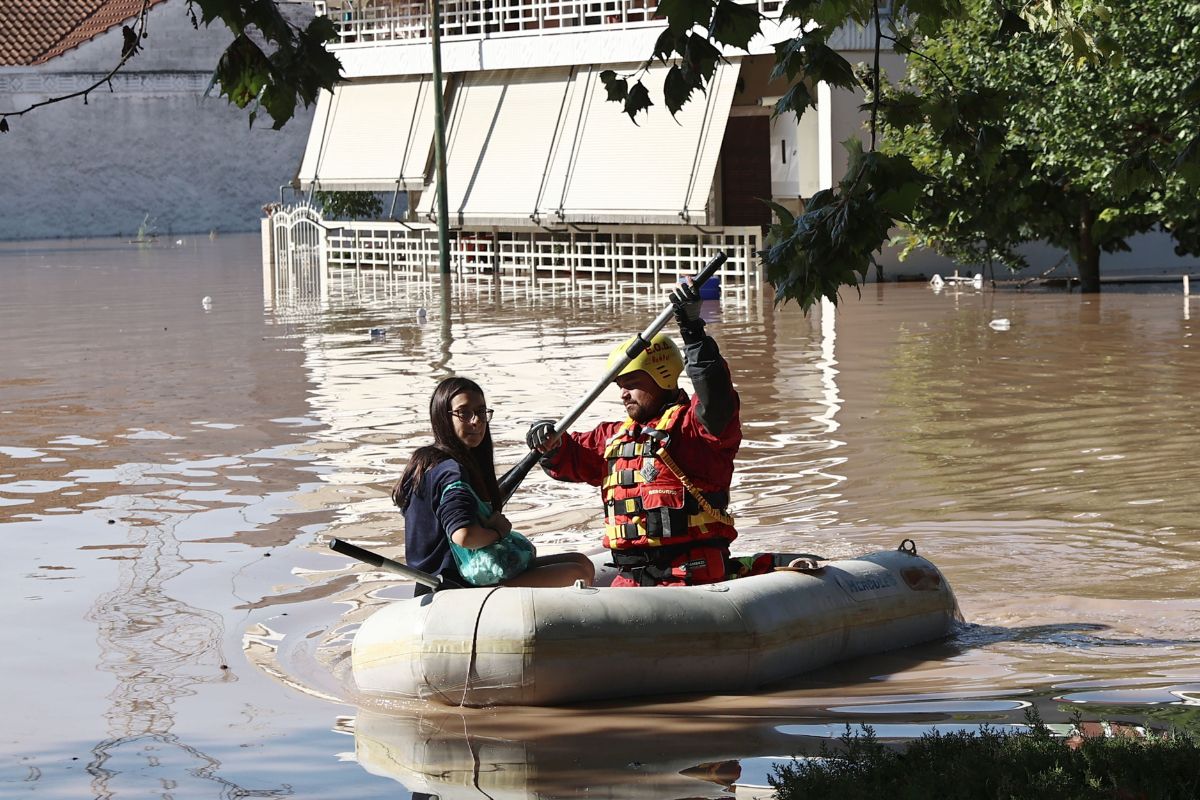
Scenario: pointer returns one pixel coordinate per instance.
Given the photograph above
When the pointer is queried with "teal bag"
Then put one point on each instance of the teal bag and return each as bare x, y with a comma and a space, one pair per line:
505, 558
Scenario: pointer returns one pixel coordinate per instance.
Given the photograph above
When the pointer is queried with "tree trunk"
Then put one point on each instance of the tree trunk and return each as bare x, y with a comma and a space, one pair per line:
1088, 257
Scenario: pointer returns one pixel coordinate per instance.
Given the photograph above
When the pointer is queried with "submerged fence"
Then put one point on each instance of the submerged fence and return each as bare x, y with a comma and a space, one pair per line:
305, 251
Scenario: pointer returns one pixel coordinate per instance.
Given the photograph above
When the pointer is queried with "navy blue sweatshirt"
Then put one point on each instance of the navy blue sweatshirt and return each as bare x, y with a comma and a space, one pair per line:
429, 521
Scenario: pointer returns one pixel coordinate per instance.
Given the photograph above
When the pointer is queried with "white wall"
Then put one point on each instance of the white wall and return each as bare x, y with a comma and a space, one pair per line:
153, 145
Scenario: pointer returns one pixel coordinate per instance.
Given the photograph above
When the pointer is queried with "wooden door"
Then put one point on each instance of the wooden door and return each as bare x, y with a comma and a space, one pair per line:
746, 171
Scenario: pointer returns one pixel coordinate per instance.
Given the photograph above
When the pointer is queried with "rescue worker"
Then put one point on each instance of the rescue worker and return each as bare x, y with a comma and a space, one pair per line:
664, 472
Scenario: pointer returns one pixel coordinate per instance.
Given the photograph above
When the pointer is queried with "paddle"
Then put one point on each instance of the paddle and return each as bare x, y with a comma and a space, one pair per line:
512, 479
434, 582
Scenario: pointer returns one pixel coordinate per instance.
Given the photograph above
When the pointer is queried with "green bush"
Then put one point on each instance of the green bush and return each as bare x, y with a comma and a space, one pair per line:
1005, 766
349, 205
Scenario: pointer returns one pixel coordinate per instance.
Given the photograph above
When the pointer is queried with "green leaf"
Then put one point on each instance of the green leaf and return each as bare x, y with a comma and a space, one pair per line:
1080, 45
902, 109
677, 90
791, 56
617, 88
1191, 92
298, 68
784, 216
242, 71
797, 99
1011, 24
637, 101
280, 103
683, 15
668, 44
826, 64
700, 56
1187, 163
735, 24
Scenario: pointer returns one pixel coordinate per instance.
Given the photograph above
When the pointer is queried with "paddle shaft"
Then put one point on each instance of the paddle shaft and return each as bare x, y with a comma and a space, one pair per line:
382, 562
512, 479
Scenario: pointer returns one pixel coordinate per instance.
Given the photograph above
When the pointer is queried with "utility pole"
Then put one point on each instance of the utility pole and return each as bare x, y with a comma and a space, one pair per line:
439, 142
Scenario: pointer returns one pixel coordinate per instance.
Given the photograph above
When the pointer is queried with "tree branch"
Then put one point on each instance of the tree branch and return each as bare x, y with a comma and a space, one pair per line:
915, 52
875, 74
129, 50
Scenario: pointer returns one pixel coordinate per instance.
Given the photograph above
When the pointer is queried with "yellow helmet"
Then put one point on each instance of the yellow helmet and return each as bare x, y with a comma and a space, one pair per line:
661, 360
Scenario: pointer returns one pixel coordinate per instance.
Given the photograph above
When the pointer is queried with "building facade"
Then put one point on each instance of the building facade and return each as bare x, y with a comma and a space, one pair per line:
545, 178
547, 181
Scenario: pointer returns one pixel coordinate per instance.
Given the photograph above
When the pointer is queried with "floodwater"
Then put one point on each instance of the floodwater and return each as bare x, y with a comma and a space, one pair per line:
175, 628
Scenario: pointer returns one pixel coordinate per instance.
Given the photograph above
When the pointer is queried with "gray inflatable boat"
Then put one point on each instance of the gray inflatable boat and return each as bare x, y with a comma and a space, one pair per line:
522, 646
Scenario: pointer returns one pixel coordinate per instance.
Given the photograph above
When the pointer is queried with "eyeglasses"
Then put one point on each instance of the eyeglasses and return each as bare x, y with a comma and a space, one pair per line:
471, 416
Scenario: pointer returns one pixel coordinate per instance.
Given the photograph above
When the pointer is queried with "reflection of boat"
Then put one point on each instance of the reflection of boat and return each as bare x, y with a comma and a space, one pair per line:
516, 646
453, 756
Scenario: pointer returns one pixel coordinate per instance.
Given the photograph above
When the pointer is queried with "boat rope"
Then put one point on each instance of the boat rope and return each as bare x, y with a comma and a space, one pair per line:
719, 515
474, 646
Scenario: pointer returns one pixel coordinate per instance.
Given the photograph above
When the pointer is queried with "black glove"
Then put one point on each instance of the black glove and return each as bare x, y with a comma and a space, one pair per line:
539, 433
685, 298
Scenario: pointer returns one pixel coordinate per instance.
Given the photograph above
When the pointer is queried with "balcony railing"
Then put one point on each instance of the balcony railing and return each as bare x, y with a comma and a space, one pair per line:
397, 20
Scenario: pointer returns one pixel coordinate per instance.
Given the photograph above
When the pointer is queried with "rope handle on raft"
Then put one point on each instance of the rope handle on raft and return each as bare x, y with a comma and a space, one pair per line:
908, 546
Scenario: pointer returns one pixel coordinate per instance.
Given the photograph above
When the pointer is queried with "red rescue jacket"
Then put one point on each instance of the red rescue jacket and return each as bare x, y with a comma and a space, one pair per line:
646, 504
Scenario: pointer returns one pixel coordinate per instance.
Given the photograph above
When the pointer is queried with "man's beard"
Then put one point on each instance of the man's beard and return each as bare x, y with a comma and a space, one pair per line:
642, 415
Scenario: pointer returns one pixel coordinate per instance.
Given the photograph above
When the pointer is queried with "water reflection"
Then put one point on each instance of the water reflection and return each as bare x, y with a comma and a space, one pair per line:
1048, 469
451, 755
159, 649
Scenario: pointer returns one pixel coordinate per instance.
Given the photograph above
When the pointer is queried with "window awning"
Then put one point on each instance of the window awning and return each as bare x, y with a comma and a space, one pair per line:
500, 135
658, 171
545, 147
370, 137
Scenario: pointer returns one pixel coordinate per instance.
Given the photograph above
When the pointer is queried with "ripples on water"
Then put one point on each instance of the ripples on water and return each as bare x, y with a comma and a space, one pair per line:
1048, 469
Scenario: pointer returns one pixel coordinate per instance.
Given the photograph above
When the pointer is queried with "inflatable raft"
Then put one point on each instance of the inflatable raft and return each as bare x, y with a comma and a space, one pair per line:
521, 646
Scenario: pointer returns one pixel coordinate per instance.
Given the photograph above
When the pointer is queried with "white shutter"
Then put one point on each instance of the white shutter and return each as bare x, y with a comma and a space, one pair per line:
499, 141
370, 136
661, 170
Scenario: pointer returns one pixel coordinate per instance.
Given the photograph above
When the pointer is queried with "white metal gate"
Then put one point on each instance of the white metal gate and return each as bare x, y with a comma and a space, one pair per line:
301, 267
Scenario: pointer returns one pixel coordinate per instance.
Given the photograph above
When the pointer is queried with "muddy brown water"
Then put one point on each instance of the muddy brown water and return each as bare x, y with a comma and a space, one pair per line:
174, 626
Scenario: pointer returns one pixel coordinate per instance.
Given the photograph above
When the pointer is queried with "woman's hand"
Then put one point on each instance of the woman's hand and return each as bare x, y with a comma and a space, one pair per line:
499, 523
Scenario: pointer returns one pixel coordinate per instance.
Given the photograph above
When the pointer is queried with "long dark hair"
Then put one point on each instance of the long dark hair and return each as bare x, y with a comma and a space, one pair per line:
477, 461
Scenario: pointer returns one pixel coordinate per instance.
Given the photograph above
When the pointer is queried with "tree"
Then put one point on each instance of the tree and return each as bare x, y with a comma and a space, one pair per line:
271, 64
833, 242
349, 205
1076, 155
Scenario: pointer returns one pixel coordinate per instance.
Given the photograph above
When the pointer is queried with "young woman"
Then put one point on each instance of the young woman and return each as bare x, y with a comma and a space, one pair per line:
448, 491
